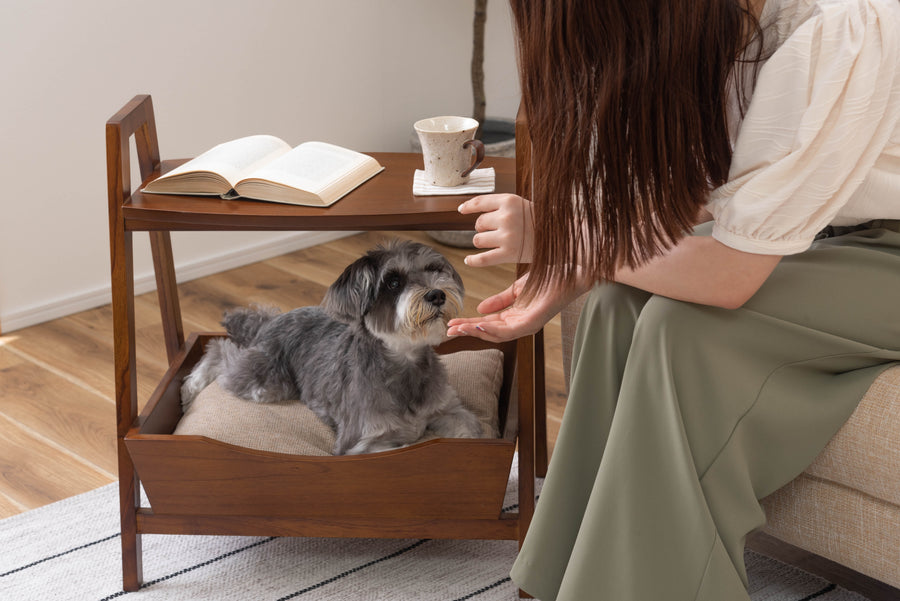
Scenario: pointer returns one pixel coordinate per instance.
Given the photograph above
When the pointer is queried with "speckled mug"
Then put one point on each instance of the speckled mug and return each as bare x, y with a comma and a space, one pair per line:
447, 144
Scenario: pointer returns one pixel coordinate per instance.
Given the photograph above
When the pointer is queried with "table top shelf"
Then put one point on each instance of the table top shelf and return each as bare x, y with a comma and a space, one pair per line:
384, 202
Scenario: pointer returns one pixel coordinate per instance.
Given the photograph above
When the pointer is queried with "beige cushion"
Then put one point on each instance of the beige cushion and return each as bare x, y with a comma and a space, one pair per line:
838, 522
291, 428
865, 453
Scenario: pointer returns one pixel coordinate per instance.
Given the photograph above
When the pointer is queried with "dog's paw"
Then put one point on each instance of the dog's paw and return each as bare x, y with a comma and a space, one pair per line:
470, 427
190, 388
373, 442
368, 446
262, 394
458, 423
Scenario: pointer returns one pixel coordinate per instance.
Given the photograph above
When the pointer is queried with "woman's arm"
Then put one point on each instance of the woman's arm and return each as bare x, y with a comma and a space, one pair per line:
700, 269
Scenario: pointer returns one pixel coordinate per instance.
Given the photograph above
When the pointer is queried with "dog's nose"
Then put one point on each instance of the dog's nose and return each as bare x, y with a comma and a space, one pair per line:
435, 297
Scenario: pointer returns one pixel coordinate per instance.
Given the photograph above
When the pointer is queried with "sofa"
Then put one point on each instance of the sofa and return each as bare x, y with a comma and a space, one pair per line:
839, 519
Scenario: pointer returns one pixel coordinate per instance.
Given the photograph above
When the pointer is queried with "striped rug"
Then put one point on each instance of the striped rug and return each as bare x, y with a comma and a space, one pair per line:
39, 560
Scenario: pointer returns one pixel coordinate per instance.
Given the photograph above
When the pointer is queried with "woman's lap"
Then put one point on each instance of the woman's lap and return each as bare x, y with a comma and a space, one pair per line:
681, 416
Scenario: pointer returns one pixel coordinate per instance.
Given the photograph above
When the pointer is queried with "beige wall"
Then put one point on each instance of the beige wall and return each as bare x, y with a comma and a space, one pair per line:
351, 72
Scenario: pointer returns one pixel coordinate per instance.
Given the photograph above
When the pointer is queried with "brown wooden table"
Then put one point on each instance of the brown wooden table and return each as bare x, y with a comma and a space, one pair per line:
384, 202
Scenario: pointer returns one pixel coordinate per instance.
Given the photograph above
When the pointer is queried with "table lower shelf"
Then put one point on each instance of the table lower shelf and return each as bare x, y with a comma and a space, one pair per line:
462, 480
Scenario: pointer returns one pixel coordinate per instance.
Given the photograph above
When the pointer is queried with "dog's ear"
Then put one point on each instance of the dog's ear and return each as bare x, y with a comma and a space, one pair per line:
352, 294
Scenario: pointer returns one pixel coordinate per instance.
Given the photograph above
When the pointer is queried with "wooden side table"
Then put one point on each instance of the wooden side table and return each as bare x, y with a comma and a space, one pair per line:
145, 441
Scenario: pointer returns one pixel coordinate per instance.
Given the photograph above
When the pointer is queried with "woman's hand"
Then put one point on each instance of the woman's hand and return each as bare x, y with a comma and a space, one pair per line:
509, 317
505, 226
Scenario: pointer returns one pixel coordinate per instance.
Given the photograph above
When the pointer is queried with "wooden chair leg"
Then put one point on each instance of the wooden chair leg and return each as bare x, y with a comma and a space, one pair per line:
126, 402
525, 363
129, 501
541, 458
167, 292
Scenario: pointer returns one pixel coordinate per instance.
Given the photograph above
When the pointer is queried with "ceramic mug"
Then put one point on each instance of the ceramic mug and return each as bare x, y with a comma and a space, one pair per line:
447, 144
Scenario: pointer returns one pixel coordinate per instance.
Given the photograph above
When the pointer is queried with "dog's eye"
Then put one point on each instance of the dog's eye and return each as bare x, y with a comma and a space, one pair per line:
394, 283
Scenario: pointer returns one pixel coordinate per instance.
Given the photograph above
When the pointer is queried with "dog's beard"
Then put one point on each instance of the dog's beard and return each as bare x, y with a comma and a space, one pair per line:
421, 314
410, 322
423, 322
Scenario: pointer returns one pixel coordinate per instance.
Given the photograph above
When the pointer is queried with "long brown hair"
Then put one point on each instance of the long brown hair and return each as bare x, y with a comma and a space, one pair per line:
626, 104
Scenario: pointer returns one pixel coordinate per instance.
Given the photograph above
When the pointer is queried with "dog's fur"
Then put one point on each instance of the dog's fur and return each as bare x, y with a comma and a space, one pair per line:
362, 361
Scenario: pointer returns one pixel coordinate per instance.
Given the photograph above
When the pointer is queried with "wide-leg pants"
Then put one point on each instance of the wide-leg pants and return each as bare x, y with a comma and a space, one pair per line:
681, 416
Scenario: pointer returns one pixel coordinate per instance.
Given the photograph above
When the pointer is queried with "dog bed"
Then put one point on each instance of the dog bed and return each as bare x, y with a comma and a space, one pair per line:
291, 428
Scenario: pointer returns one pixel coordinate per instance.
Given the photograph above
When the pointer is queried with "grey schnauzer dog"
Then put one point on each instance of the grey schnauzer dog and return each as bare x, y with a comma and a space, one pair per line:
363, 361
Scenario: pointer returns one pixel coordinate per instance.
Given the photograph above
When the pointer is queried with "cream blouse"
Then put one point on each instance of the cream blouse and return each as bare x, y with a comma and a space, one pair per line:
820, 140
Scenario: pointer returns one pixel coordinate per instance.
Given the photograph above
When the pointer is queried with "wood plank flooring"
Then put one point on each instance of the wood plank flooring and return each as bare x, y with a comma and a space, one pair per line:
57, 413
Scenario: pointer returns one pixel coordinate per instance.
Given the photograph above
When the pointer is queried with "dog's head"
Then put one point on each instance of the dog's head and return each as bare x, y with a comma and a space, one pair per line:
403, 292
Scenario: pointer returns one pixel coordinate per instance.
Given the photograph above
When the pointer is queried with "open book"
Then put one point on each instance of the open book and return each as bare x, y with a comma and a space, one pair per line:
267, 168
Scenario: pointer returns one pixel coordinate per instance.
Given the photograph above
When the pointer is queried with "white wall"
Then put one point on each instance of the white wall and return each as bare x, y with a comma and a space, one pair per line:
353, 72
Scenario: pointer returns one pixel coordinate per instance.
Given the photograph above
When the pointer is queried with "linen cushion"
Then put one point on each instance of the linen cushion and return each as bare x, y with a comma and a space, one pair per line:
838, 522
865, 453
290, 427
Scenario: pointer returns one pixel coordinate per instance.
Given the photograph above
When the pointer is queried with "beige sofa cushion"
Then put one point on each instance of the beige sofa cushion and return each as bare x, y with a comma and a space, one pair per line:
292, 428
865, 453
838, 522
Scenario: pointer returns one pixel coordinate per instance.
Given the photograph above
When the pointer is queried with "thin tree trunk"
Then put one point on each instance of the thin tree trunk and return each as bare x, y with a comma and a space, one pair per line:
478, 111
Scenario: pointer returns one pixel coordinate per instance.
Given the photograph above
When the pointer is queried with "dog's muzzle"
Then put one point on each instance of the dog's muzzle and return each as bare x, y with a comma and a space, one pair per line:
436, 297
430, 305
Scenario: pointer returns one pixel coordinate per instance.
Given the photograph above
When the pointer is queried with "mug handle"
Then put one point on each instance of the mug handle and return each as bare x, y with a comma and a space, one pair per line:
479, 156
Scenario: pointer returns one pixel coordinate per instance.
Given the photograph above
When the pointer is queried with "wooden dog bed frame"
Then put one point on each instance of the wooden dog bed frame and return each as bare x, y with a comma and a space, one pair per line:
444, 488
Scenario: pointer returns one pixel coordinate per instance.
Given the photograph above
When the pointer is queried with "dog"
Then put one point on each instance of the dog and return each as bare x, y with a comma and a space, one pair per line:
363, 360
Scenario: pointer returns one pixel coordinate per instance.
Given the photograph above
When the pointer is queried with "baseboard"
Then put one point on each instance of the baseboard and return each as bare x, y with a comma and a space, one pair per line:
76, 303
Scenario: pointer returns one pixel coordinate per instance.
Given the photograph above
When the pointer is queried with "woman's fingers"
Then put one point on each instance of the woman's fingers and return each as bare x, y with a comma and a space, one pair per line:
502, 229
498, 302
481, 204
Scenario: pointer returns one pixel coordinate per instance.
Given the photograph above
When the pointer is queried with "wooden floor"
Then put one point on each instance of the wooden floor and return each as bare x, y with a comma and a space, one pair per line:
57, 413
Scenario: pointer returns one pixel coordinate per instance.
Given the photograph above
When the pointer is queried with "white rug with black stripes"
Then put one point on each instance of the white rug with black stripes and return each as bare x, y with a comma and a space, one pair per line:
40, 560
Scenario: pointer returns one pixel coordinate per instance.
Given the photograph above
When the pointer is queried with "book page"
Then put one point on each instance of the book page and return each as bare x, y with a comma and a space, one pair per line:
236, 159
312, 166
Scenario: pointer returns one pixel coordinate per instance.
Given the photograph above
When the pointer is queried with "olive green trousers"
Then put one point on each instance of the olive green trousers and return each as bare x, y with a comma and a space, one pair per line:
681, 416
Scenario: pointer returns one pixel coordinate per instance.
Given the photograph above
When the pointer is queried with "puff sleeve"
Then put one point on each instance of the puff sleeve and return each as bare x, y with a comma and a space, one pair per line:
824, 107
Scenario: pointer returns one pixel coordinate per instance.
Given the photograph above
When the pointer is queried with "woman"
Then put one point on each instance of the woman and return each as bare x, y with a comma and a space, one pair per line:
714, 361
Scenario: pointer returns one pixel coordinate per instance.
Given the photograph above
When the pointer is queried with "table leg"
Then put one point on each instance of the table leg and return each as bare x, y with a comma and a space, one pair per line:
126, 399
